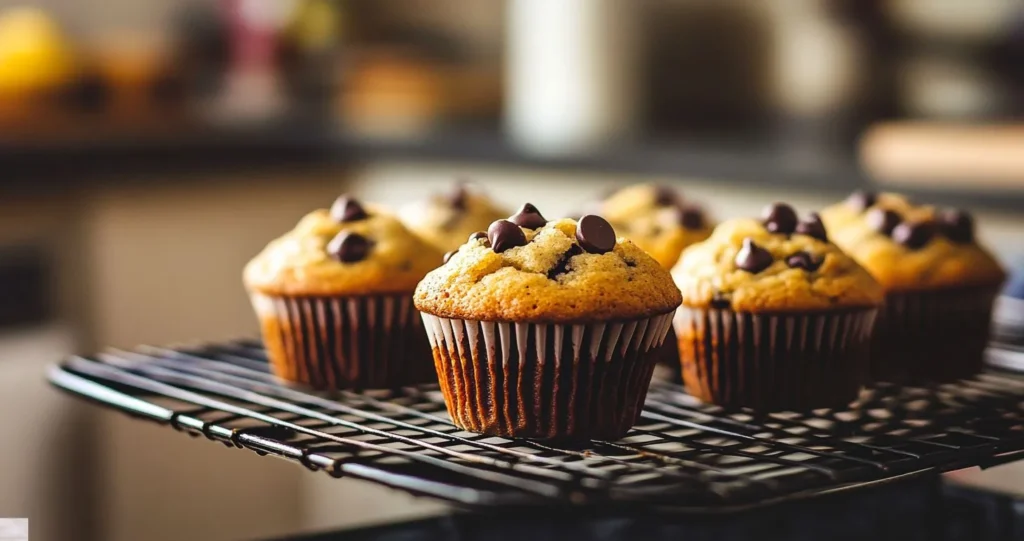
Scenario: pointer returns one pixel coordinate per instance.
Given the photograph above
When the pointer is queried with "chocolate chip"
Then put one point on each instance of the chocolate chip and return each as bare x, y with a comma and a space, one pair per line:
691, 217
753, 258
913, 235
529, 217
595, 234
805, 261
504, 234
347, 209
665, 196
956, 225
562, 266
779, 218
459, 196
882, 220
449, 255
349, 247
812, 227
720, 300
477, 235
861, 200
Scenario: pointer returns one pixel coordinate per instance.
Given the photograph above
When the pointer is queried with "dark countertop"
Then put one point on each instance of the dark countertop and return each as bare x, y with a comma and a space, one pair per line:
757, 161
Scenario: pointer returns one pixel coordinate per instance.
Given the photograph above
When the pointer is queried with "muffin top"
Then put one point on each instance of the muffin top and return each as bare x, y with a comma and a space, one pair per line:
446, 220
909, 247
351, 249
527, 269
657, 219
776, 264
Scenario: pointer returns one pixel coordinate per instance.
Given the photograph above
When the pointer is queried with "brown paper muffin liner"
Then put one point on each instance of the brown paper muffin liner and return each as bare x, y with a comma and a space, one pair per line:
546, 381
935, 336
668, 359
774, 362
333, 343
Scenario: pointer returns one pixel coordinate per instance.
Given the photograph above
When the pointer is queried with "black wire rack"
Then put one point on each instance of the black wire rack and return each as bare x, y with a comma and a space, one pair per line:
681, 456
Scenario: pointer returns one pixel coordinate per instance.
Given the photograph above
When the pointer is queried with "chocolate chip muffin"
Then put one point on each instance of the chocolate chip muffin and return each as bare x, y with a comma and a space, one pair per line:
940, 284
774, 316
334, 299
446, 220
546, 329
657, 219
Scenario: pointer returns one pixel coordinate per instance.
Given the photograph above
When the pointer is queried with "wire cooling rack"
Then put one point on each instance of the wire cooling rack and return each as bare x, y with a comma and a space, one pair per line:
681, 456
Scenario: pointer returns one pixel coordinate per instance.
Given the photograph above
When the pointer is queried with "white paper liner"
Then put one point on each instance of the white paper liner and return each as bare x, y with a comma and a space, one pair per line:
932, 336
546, 381
774, 362
345, 342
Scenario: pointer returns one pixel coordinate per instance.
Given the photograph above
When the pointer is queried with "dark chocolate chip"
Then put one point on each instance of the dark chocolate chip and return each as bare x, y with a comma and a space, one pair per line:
347, 209
595, 234
528, 216
861, 200
459, 196
913, 235
477, 235
562, 266
882, 220
349, 247
720, 300
805, 261
504, 234
779, 218
666, 196
449, 255
691, 217
956, 225
753, 258
812, 227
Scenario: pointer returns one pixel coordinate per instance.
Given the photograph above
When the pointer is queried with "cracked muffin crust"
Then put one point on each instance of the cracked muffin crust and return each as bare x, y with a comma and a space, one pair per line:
301, 261
909, 247
657, 219
549, 277
445, 220
790, 272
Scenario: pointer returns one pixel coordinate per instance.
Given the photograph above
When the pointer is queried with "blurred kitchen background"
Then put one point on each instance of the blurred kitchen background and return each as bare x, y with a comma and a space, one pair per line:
149, 148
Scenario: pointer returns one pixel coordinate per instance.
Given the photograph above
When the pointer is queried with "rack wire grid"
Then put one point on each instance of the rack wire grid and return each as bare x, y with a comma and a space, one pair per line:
681, 456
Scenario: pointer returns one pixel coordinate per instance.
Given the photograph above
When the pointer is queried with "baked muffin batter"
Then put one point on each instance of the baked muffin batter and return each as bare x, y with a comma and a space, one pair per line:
304, 262
446, 220
547, 276
796, 272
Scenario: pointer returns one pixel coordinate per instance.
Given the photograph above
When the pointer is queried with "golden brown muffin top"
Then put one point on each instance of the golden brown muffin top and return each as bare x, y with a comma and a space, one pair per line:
447, 220
351, 249
909, 247
657, 219
778, 264
560, 271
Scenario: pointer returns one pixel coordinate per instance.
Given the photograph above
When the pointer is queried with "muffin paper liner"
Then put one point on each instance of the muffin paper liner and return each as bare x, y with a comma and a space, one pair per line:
774, 362
935, 336
546, 381
345, 342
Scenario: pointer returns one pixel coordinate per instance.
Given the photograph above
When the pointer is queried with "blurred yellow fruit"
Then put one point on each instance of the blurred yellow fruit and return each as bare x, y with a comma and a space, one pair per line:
33, 52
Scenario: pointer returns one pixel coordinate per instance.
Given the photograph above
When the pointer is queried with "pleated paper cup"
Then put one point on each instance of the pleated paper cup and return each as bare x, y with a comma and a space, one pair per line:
546, 381
774, 362
933, 336
331, 343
